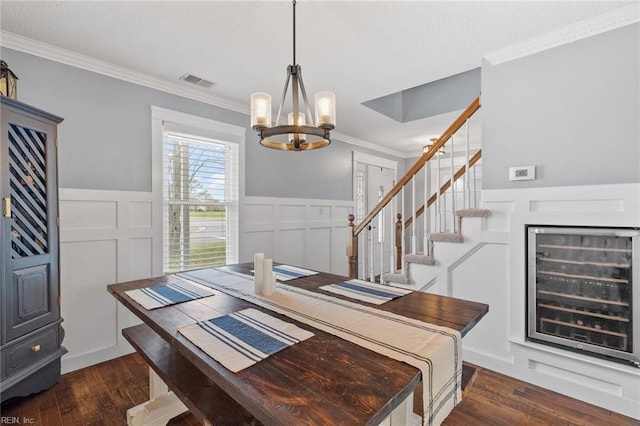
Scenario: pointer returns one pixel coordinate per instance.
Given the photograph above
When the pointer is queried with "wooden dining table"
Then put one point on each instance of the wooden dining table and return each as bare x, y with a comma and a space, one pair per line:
322, 380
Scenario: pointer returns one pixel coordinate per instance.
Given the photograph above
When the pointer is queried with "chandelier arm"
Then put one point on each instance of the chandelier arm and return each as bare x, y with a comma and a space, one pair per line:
284, 95
295, 105
304, 97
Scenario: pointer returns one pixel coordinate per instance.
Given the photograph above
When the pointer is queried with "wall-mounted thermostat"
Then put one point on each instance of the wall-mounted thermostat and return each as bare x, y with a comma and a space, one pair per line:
522, 173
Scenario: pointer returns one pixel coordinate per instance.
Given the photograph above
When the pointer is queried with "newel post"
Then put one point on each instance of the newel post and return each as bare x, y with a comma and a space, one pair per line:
399, 242
352, 248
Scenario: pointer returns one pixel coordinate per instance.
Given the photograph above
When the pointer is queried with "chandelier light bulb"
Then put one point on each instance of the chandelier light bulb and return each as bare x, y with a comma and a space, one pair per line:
260, 110
326, 110
299, 137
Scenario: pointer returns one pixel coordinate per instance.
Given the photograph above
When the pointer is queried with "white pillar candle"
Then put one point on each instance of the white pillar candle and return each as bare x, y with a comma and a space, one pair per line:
267, 277
269, 289
258, 272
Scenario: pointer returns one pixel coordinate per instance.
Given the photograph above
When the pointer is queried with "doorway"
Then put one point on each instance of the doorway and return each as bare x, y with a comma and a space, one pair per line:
373, 179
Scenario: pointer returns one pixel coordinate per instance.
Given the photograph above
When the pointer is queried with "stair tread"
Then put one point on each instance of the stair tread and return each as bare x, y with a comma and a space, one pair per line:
447, 237
473, 213
396, 278
423, 259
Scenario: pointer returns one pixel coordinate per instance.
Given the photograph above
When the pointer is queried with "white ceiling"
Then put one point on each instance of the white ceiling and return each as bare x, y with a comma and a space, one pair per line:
358, 49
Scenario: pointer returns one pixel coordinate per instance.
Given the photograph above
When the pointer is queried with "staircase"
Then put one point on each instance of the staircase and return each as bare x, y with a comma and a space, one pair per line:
440, 193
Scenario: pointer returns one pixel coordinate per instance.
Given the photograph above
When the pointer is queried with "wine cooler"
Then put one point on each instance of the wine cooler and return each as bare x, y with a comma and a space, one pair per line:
581, 293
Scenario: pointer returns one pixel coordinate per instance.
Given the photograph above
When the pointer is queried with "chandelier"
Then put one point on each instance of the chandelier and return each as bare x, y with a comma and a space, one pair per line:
427, 148
296, 135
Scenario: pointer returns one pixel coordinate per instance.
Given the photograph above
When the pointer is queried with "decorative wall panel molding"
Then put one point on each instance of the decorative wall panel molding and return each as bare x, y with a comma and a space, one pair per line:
105, 237
304, 232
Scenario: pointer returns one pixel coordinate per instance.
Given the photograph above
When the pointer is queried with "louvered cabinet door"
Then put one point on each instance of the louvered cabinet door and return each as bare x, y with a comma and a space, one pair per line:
30, 244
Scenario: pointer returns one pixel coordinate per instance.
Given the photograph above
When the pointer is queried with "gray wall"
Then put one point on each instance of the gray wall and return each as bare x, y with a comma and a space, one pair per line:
105, 139
427, 100
572, 111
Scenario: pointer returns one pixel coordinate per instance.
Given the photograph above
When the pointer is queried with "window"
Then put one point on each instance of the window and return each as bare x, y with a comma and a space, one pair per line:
200, 191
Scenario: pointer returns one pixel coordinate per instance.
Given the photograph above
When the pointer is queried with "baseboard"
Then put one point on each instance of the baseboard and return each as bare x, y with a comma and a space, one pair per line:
76, 362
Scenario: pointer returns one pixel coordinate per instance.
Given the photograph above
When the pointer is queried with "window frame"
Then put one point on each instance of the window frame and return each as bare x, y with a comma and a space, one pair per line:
163, 120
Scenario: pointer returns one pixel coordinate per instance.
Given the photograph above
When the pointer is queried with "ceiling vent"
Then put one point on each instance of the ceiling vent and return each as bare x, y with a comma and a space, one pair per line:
190, 78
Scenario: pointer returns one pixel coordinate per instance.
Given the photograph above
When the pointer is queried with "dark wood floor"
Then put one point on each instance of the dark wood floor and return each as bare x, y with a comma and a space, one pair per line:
101, 395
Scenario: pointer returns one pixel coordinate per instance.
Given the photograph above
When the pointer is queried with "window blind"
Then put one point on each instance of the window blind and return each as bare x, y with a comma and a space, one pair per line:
200, 194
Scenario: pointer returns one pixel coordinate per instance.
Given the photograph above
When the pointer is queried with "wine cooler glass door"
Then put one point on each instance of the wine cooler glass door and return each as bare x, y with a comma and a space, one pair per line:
581, 290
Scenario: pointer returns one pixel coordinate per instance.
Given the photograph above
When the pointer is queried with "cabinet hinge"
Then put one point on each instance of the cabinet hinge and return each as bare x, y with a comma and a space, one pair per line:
58, 301
58, 221
56, 142
7, 207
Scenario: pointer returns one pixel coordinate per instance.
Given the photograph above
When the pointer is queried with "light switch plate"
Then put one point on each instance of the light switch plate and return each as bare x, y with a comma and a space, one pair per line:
522, 173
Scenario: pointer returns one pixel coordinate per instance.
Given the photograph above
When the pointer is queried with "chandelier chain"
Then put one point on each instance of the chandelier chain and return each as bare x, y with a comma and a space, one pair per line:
294, 32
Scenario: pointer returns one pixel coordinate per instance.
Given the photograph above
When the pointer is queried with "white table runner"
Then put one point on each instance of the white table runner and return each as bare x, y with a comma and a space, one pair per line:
435, 350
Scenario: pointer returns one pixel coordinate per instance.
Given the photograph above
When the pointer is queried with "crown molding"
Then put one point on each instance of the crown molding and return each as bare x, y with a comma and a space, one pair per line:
369, 145
77, 60
88, 63
597, 25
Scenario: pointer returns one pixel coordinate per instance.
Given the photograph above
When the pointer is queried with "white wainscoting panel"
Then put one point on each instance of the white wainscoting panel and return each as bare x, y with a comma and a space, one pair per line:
140, 252
105, 237
320, 238
86, 306
613, 205
303, 232
256, 241
140, 214
92, 214
290, 247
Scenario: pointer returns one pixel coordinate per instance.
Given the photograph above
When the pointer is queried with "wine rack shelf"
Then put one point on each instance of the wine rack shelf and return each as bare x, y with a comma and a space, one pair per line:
589, 299
589, 337
580, 312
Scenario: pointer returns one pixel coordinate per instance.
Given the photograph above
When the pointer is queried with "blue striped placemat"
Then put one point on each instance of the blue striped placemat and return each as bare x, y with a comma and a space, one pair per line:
287, 272
365, 291
168, 294
243, 338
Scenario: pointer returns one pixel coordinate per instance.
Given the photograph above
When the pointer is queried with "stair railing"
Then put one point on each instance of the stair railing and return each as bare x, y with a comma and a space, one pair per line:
398, 192
461, 172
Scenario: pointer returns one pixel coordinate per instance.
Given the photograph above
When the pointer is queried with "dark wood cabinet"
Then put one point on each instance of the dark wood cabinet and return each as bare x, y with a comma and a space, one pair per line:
30, 329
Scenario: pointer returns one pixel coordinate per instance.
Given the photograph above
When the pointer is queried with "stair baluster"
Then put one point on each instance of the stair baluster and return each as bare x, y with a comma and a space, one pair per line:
467, 182
452, 188
426, 216
372, 277
392, 262
413, 212
475, 190
381, 243
403, 232
399, 228
352, 247
438, 201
